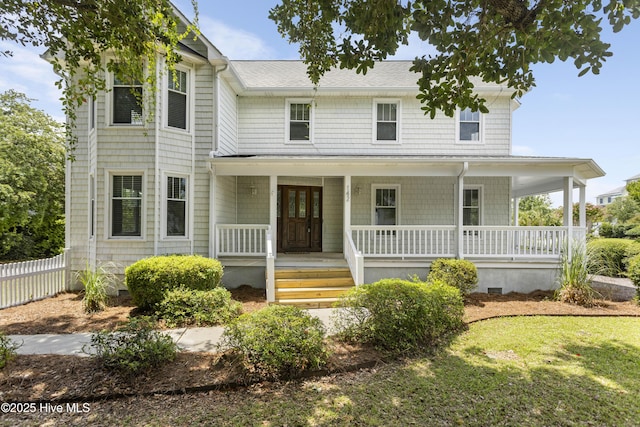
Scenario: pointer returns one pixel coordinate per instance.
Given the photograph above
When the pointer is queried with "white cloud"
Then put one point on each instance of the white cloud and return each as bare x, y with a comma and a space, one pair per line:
233, 42
415, 48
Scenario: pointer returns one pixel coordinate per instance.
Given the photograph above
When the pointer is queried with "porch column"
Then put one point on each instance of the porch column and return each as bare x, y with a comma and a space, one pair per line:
460, 211
516, 211
212, 212
582, 222
568, 212
273, 212
346, 220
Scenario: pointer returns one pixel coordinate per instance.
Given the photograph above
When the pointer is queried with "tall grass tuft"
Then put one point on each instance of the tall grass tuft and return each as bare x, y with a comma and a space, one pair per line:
574, 280
96, 281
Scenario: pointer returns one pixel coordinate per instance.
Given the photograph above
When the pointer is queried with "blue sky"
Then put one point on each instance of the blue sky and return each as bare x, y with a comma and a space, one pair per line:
565, 116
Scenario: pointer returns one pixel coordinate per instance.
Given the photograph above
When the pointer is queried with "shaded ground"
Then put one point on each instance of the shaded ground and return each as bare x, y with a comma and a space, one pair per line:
38, 377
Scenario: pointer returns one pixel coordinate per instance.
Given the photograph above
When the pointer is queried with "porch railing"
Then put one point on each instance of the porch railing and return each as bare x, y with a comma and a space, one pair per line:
513, 242
22, 282
354, 258
404, 241
241, 239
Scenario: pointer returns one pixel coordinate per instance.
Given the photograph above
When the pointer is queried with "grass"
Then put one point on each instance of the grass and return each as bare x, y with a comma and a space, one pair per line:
534, 371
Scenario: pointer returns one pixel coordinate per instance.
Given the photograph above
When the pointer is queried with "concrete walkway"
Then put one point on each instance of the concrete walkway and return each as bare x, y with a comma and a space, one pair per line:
189, 339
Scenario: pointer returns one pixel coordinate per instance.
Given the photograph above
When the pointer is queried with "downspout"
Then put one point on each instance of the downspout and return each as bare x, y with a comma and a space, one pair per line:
459, 215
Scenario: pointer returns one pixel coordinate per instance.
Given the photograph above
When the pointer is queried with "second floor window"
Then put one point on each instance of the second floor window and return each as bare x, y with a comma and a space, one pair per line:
127, 102
469, 125
386, 122
299, 122
177, 100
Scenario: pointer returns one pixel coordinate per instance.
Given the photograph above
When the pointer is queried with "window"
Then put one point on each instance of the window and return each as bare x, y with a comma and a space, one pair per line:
177, 105
126, 205
385, 209
299, 121
386, 121
176, 206
469, 125
471, 207
127, 99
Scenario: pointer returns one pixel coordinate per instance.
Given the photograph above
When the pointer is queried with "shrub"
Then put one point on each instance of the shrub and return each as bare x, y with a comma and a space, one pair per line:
607, 256
575, 285
95, 281
183, 307
148, 279
459, 273
133, 349
277, 341
7, 350
398, 315
634, 274
613, 231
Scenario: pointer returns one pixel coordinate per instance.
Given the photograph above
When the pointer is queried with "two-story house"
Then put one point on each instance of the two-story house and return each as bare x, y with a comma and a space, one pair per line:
248, 162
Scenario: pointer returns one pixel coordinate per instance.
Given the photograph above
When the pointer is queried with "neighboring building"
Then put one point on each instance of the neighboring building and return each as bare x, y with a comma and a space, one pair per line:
248, 162
606, 198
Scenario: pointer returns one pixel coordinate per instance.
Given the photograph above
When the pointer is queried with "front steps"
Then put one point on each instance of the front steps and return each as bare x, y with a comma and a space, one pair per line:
311, 287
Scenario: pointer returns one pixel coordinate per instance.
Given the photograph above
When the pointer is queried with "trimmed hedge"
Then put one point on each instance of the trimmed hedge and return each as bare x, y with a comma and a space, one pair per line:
607, 257
186, 307
459, 273
277, 341
398, 315
149, 278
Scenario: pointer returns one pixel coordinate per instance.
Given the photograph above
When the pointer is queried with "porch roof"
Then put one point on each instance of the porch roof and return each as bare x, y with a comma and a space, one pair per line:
529, 175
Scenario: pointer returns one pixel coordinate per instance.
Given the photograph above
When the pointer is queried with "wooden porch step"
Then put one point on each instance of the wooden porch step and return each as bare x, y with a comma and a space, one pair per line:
311, 287
299, 273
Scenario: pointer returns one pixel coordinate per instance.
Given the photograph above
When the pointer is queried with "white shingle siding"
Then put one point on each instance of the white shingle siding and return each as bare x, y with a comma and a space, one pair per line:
228, 132
345, 126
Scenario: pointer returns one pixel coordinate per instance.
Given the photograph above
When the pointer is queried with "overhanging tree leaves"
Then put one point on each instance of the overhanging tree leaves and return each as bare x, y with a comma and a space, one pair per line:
78, 33
32, 154
496, 40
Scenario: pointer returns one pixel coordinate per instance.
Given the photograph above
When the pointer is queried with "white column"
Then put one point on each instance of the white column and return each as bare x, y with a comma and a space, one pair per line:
568, 212
459, 217
346, 221
212, 212
583, 207
516, 211
273, 212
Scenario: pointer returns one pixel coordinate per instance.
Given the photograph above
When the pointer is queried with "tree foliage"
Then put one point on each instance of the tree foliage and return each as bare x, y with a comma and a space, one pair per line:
623, 209
537, 211
76, 34
32, 154
633, 188
496, 40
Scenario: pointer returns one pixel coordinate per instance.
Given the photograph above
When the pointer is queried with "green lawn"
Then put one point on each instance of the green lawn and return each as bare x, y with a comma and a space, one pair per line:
527, 371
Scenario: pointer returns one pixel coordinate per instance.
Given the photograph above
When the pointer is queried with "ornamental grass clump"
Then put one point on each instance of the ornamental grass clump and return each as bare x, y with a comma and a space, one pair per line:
277, 342
96, 281
575, 283
398, 316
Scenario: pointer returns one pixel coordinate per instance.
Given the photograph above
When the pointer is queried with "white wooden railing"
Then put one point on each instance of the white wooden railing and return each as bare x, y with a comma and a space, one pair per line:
513, 242
241, 239
270, 270
22, 282
404, 241
355, 260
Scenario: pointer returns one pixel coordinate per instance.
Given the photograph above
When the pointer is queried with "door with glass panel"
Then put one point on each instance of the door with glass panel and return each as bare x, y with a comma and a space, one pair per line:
299, 219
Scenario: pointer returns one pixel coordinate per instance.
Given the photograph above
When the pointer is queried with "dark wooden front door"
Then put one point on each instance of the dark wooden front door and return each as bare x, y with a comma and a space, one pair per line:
299, 219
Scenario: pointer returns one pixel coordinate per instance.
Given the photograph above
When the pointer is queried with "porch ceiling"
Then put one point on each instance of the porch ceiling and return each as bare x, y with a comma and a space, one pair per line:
530, 175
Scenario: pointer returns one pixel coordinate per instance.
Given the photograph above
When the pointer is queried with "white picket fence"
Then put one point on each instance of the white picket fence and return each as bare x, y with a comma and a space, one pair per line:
22, 282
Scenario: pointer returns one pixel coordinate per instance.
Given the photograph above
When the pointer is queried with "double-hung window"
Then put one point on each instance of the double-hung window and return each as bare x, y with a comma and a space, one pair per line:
177, 100
469, 126
471, 209
385, 208
387, 124
176, 206
127, 102
126, 205
299, 121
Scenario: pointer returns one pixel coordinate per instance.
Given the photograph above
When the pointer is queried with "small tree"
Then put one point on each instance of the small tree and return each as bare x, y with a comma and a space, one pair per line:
623, 209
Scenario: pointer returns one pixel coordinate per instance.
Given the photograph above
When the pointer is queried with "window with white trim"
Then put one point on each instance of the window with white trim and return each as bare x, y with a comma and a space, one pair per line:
176, 222
126, 205
385, 205
469, 125
127, 102
386, 114
177, 99
471, 206
299, 115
